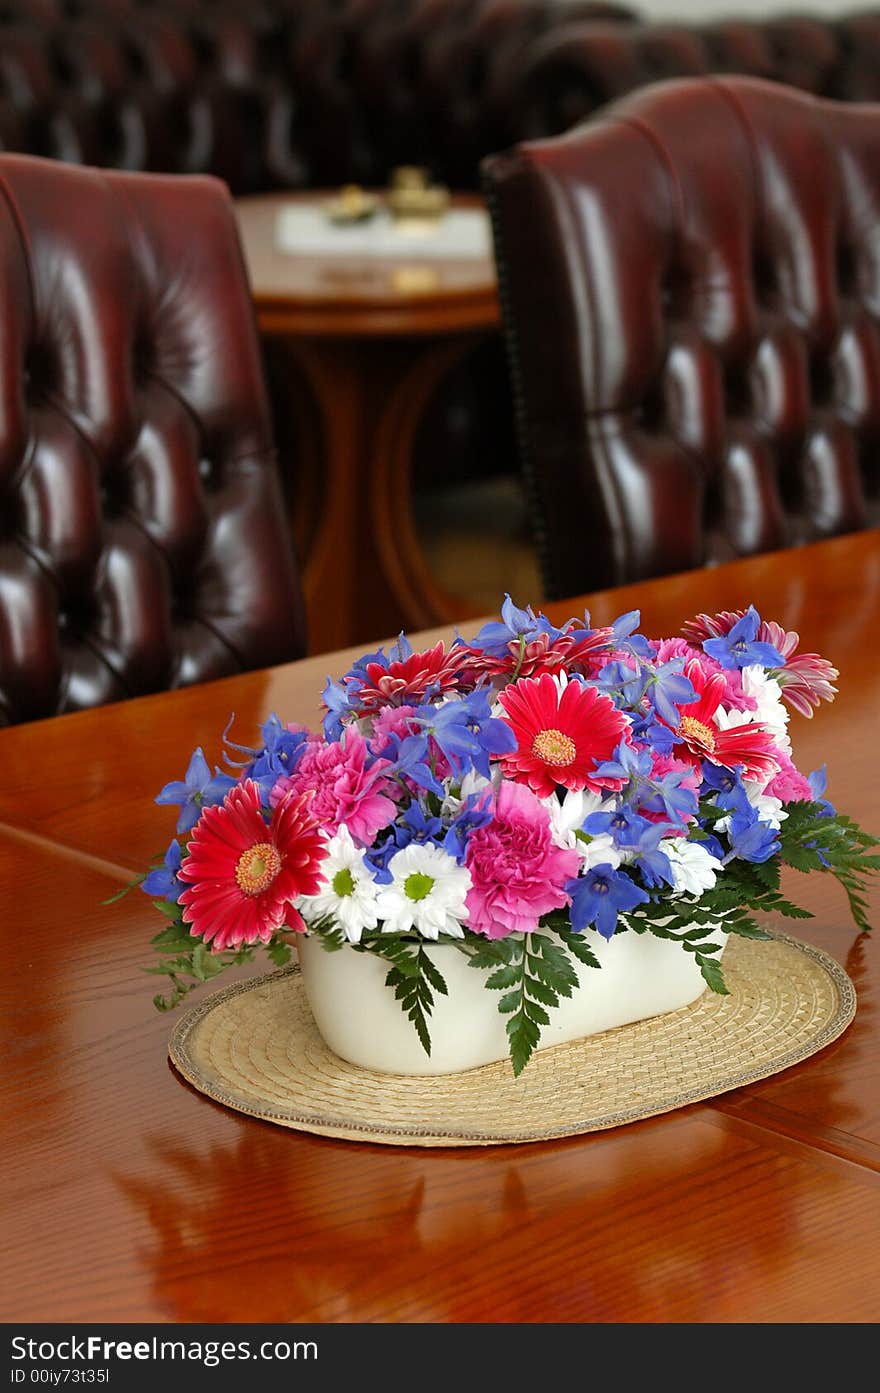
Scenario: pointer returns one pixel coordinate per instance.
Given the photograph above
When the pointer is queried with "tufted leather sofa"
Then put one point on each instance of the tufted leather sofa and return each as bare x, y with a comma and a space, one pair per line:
267, 93
142, 544
691, 289
574, 69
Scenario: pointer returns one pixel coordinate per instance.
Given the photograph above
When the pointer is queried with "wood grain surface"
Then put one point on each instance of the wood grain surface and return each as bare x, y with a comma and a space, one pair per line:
128, 1196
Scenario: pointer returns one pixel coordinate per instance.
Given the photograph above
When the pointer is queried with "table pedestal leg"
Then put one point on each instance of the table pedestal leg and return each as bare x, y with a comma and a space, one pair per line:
365, 574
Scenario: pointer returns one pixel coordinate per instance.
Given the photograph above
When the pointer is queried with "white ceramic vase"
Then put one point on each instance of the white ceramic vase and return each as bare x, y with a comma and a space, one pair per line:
361, 1021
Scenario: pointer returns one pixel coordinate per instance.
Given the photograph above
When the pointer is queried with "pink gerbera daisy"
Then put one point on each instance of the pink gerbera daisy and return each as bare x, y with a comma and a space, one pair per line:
563, 734
749, 745
806, 679
244, 875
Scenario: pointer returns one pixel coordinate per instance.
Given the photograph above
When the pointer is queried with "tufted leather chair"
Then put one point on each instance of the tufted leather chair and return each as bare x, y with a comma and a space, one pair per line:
691, 293
142, 544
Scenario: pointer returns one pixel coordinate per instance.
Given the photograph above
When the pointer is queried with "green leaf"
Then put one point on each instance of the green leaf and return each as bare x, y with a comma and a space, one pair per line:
434, 975
278, 952
536, 988
175, 936
493, 953
578, 948
747, 928
506, 976
166, 907
523, 1035
139, 880
206, 964
713, 976
412, 974
535, 1012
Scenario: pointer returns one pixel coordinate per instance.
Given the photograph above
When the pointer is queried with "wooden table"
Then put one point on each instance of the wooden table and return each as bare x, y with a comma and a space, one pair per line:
372, 340
128, 1196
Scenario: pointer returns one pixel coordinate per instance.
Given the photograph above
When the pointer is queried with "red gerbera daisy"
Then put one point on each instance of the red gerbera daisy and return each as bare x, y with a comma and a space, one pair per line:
572, 648
408, 680
562, 736
750, 745
244, 874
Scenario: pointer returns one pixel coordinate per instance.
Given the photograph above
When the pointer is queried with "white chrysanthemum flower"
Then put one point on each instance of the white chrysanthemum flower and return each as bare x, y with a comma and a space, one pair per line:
771, 713
567, 818
769, 809
350, 892
693, 869
427, 892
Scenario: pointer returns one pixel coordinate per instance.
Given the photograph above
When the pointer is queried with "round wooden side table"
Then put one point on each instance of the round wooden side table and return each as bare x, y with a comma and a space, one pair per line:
372, 336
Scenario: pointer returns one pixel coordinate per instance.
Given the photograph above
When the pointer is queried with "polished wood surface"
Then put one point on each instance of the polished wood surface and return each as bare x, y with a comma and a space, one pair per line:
365, 343
129, 1196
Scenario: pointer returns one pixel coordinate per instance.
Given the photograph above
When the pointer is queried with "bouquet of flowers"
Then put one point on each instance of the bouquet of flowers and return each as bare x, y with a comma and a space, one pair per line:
510, 795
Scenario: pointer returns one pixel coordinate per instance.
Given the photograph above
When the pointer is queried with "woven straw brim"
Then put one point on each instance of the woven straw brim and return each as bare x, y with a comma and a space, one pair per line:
254, 1047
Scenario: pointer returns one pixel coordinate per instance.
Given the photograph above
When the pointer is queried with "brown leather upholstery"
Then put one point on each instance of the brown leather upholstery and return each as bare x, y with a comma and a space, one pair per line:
142, 544
691, 287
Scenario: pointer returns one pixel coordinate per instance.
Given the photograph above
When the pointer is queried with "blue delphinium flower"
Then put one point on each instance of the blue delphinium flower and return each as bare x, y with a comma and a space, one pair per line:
280, 755
818, 781
727, 786
654, 864
415, 826
475, 813
627, 763
198, 789
750, 838
625, 638
654, 795
669, 796
338, 702
624, 683
623, 824
515, 624
162, 882
652, 732
741, 648
669, 689
466, 732
599, 896
410, 756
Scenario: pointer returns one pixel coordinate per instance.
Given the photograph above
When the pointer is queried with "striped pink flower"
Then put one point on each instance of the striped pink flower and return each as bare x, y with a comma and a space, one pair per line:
806, 680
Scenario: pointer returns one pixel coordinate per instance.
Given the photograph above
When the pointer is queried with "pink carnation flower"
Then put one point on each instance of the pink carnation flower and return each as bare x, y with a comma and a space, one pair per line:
391, 721
343, 788
396, 721
789, 784
517, 872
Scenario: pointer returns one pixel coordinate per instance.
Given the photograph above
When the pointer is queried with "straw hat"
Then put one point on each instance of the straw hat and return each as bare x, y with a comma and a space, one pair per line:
255, 1048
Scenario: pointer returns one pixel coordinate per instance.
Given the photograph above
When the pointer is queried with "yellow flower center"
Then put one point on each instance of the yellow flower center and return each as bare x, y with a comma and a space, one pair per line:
553, 747
257, 868
698, 732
